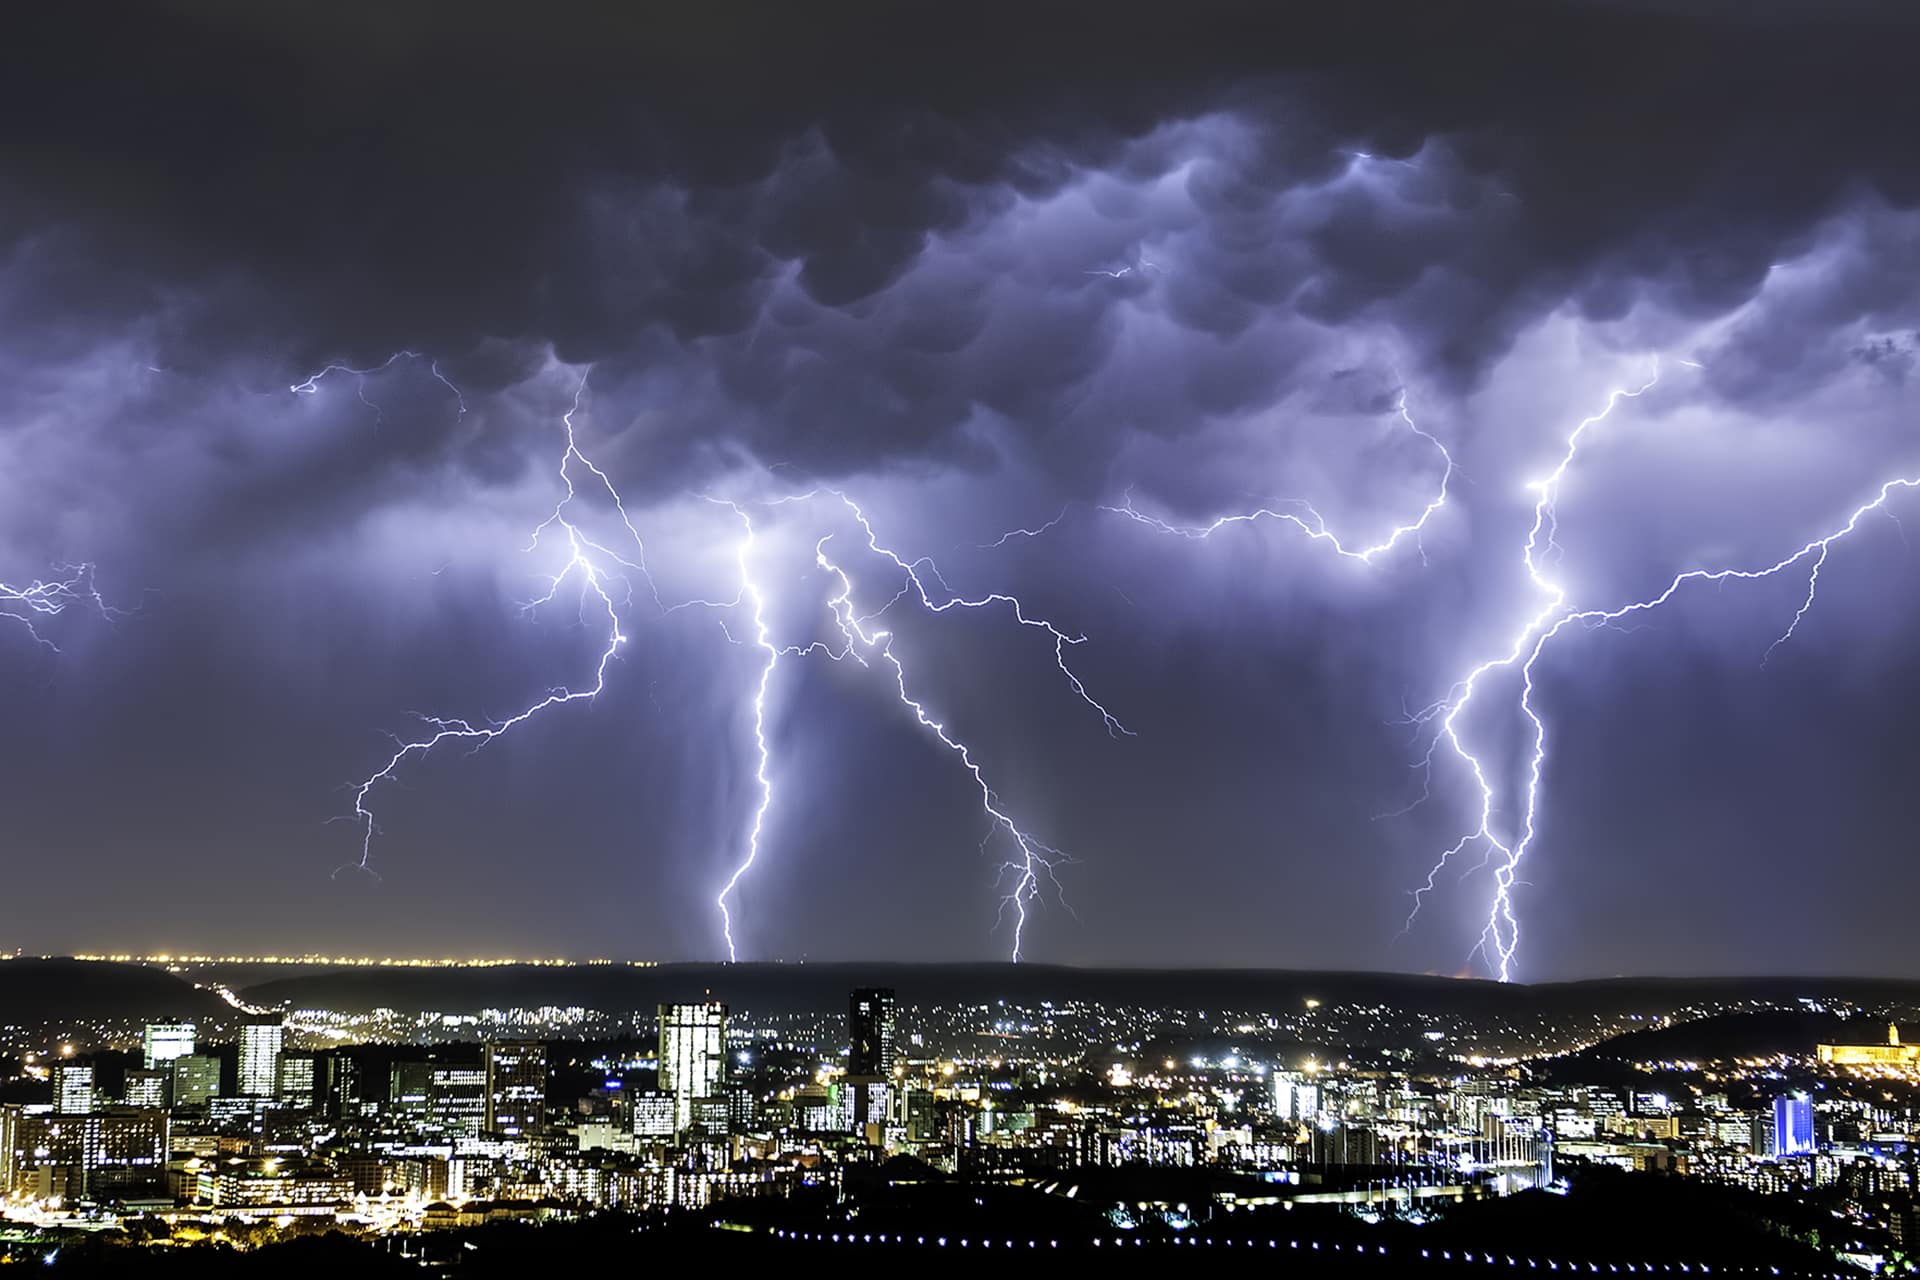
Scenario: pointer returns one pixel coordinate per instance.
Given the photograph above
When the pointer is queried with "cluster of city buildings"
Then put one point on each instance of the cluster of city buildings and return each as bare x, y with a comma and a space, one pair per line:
275, 1125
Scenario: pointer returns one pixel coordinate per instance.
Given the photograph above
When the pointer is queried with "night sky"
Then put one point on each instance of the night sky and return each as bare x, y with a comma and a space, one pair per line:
979, 268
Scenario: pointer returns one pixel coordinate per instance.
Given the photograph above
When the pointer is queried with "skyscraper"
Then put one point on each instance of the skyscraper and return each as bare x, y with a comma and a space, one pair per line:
693, 1057
653, 1114
1792, 1125
146, 1088
340, 1083
162, 1042
72, 1088
870, 1027
516, 1087
196, 1078
457, 1099
10, 1117
260, 1039
295, 1079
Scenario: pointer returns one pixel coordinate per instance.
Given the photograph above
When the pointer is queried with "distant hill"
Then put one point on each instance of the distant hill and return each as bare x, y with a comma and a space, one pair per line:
823, 988
35, 991
40, 991
1738, 1035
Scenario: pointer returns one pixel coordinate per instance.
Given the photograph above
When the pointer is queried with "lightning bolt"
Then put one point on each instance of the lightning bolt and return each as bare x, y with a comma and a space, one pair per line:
1011, 534
916, 586
1121, 273
751, 595
1034, 862
1500, 936
1303, 516
33, 602
311, 385
600, 573
603, 590
1034, 859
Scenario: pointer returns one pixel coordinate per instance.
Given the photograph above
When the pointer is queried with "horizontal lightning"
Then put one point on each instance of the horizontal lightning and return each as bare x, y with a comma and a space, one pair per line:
311, 385
31, 603
1302, 514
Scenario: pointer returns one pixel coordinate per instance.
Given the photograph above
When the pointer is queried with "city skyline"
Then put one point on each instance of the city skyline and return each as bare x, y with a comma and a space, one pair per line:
1365, 490
1731, 1127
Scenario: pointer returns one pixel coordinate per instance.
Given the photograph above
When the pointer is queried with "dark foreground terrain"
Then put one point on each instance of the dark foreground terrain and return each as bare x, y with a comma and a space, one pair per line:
1612, 1223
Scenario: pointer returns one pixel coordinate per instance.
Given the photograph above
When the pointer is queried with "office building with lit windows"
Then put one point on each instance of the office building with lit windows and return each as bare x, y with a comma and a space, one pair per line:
516, 1088
261, 1037
146, 1088
693, 1057
294, 1079
72, 1088
196, 1078
102, 1153
1792, 1125
162, 1042
870, 1027
653, 1114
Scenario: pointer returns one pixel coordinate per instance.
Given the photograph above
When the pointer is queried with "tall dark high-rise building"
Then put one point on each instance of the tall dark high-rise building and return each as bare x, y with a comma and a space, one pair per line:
870, 1026
516, 1087
196, 1078
339, 1084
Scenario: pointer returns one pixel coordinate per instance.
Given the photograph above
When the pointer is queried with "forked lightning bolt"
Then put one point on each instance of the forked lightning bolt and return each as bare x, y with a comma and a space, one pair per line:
916, 586
1035, 860
1500, 937
603, 590
34, 602
600, 574
751, 596
311, 386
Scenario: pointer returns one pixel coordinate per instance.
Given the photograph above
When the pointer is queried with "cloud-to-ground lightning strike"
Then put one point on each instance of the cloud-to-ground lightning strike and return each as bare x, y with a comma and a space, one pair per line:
601, 573
603, 588
1036, 859
762, 638
755, 600
1500, 937
1303, 515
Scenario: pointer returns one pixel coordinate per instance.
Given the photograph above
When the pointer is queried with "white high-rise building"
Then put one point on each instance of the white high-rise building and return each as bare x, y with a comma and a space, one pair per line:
693, 1057
653, 1114
72, 1089
146, 1089
162, 1042
260, 1039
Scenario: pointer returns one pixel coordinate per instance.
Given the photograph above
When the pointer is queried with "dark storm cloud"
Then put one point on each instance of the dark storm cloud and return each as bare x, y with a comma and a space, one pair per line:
770, 187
